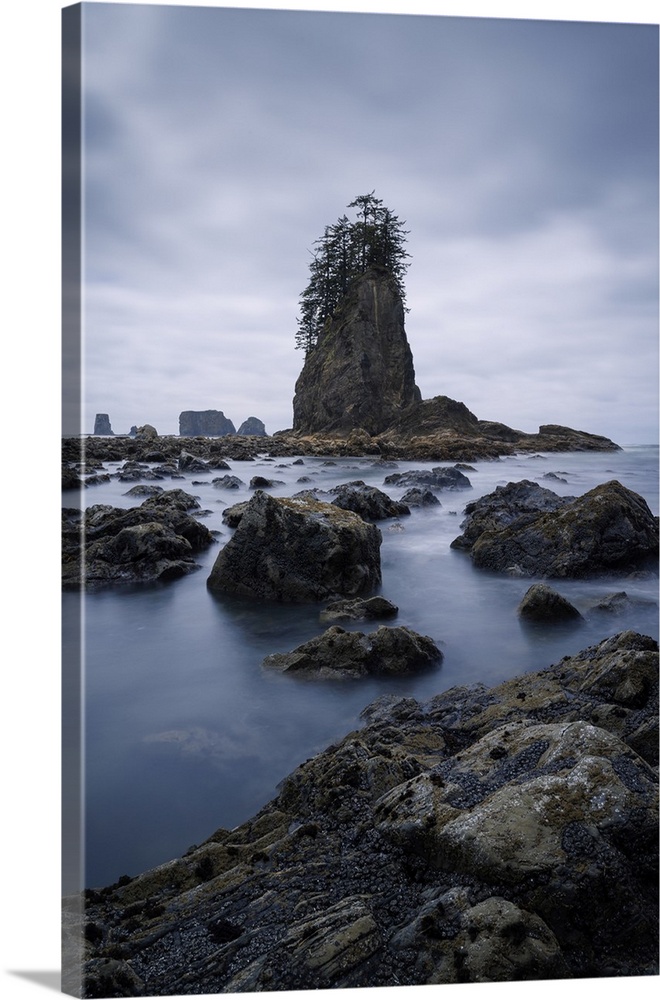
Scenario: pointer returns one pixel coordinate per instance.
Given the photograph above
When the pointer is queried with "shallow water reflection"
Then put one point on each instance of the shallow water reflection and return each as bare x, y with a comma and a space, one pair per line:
186, 732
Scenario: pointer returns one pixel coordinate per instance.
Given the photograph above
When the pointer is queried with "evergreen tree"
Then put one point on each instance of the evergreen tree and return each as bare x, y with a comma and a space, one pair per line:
346, 250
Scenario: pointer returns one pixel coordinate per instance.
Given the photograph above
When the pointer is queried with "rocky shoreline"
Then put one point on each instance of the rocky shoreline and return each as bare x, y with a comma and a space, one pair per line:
486, 835
462, 442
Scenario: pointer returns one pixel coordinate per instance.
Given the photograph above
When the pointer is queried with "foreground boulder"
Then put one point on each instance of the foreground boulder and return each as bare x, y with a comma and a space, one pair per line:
610, 529
551, 811
298, 549
156, 541
487, 835
340, 654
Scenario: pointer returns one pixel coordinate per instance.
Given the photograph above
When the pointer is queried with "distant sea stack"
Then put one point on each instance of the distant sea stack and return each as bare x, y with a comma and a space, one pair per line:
252, 427
102, 424
204, 423
360, 374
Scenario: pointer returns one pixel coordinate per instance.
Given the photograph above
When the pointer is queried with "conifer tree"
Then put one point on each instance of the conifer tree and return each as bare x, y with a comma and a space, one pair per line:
346, 250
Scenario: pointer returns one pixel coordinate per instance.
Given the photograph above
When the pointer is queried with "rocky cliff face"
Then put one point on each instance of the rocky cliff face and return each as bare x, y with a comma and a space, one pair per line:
204, 423
360, 374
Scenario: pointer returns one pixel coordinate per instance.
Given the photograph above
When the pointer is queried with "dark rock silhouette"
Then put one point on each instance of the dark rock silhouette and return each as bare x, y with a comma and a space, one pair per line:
204, 423
252, 427
102, 424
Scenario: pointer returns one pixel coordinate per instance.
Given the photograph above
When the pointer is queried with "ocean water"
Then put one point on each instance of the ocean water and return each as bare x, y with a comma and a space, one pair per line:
185, 732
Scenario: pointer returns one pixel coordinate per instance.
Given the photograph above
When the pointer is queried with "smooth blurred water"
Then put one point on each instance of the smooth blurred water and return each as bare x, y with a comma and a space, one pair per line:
185, 732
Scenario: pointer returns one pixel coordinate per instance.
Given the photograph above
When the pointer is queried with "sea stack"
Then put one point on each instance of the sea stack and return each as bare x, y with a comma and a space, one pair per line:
102, 424
204, 423
360, 375
252, 427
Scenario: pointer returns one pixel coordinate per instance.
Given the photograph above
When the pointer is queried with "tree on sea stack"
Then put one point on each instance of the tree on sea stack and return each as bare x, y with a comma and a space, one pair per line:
345, 251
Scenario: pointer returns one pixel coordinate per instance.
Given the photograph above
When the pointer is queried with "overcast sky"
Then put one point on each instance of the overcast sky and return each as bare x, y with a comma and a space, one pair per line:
522, 155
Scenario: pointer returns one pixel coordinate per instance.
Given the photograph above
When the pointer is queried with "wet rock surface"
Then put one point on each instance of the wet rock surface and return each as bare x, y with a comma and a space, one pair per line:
515, 503
491, 834
340, 654
359, 610
155, 541
527, 530
369, 502
545, 605
297, 549
433, 479
451, 439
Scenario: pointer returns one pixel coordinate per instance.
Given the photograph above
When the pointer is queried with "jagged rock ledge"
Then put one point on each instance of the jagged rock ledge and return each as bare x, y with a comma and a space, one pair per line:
442, 445
487, 835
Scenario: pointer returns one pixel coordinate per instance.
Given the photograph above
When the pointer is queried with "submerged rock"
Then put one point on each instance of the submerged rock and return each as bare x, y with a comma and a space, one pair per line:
228, 483
294, 549
261, 483
359, 609
340, 654
493, 835
420, 497
614, 603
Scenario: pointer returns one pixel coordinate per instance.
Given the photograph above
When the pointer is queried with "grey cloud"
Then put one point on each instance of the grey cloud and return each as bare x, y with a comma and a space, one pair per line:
522, 155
